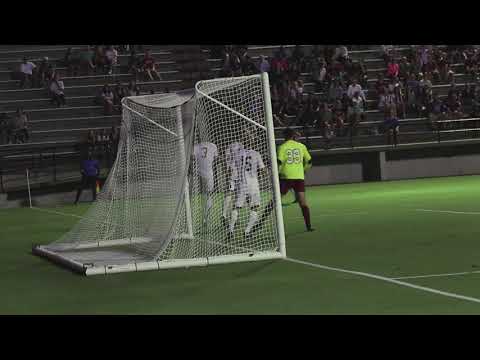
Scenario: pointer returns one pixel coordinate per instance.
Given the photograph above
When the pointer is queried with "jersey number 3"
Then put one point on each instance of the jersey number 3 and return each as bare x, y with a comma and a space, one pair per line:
293, 156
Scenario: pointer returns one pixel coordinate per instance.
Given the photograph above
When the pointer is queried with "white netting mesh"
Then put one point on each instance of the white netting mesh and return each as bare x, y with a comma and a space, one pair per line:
156, 203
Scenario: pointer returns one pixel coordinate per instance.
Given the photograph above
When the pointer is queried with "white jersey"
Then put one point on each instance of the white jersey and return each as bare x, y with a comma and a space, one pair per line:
205, 154
248, 163
231, 154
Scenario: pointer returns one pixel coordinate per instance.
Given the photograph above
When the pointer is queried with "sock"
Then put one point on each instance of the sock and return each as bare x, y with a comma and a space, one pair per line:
253, 219
233, 220
226, 205
306, 216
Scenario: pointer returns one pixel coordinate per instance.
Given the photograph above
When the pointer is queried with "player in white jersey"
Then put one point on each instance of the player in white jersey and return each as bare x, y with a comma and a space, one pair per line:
248, 164
231, 154
205, 154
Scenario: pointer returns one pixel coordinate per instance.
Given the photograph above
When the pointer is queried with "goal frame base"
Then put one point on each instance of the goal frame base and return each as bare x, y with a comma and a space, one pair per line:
87, 270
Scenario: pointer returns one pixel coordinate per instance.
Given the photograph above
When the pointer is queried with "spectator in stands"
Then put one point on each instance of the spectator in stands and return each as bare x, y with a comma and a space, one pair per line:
279, 67
341, 54
21, 133
119, 92
264, 65
134, 64
26, 72
393, 69
107, 99
99, 58
355, 87
392, 126
57, 91
86, 60
455, 108
90, 169
356, 109
41, 74
133, 89
412, 93
91, 140
149, 66
111, 58
319, 74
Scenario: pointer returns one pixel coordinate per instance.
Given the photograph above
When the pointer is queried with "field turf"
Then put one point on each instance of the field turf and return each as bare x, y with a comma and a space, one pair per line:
384, 230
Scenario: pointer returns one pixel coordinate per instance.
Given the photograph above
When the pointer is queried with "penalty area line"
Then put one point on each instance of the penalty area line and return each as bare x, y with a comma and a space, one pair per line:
386, 279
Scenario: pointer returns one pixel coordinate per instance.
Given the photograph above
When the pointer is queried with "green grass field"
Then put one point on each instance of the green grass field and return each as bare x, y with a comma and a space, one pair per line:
376, 228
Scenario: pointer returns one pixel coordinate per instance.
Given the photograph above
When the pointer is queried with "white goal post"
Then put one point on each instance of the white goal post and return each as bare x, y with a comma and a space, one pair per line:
160, 208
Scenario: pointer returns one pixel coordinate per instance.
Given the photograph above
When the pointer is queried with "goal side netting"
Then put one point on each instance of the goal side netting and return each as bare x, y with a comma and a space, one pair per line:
175, 186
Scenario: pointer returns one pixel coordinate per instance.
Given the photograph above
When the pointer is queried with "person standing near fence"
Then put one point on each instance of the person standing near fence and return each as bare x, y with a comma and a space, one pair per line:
90, 170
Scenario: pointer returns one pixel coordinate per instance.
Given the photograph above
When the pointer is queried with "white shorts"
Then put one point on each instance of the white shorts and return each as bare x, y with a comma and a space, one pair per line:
206, 183
251, 190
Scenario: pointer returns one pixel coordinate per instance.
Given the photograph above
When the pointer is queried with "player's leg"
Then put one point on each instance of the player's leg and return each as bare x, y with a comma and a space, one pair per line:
299, 188
93, 187
209, 203
240, 201
227, 201
83, 183
285, 185
254, 195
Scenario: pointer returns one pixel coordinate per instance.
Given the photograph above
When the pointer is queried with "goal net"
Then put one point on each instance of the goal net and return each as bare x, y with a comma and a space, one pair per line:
194, 183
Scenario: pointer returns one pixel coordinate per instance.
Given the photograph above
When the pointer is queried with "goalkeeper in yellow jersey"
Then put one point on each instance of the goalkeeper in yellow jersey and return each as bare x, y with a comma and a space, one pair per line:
293, 161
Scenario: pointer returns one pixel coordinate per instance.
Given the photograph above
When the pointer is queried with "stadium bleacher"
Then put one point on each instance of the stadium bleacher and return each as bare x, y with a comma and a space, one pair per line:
61, 129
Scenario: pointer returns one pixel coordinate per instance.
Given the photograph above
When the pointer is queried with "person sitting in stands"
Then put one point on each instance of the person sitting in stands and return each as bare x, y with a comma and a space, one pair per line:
86, 60
111, 58
99, 58
107, 98
26, 72
57, 89
134, 64
149, 66
392, 125
119, 93
133, 89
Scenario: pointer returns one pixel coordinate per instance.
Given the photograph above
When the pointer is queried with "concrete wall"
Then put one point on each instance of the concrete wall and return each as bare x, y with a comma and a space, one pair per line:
431, 167
334, 174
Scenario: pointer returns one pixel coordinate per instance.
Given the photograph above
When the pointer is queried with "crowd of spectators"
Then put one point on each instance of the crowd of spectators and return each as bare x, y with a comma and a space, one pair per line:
337, 102
414, 75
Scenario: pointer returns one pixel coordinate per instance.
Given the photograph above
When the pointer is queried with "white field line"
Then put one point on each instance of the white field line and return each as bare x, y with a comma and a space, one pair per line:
56, 212
386, 279
332, 214
450, 212
436, 275
358, 273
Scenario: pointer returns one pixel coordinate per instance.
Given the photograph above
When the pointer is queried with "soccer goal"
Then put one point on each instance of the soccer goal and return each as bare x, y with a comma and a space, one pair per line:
157, 210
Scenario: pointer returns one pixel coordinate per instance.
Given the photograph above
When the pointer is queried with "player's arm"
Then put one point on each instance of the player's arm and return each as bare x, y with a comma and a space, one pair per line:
307, 159
281, 156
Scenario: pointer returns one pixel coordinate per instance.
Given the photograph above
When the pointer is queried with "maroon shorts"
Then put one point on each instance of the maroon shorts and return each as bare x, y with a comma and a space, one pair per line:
296, 185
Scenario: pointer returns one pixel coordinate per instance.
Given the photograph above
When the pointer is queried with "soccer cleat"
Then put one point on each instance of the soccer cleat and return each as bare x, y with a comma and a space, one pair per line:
310, 229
